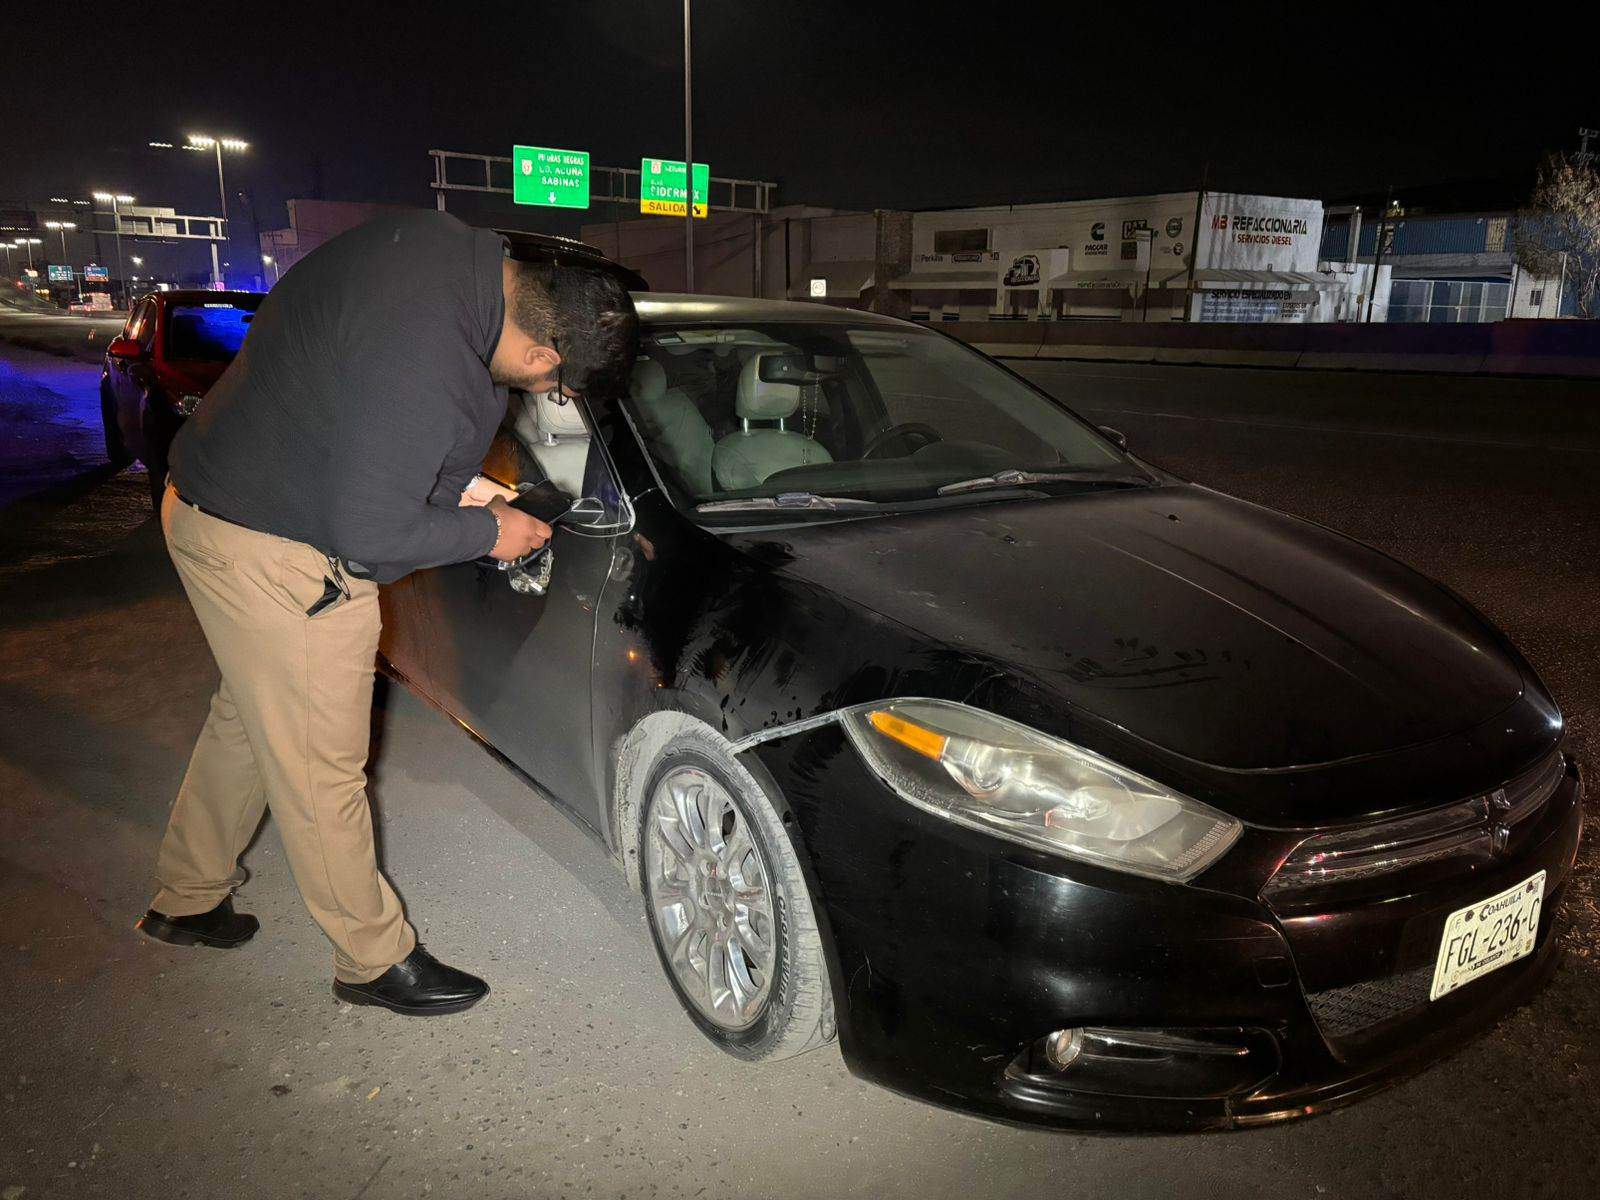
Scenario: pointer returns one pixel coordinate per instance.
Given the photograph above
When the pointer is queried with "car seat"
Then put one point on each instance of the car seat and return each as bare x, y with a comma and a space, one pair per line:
556, 436
746, 457
678, 435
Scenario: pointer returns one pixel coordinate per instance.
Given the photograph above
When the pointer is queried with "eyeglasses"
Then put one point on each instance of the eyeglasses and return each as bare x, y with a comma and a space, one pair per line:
561, 396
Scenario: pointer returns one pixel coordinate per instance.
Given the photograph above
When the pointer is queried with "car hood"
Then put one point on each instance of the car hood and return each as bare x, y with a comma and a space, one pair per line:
1209, 628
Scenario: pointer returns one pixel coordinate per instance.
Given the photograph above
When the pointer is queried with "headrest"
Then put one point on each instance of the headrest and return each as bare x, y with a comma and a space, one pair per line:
758, 401
559, 417
649, 380
538, 419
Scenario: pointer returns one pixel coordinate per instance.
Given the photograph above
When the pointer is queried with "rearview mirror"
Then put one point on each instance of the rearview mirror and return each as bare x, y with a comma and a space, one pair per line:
125, 347
789, 368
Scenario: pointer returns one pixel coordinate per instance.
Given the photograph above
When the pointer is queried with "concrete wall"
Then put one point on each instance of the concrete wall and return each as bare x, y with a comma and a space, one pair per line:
736, 254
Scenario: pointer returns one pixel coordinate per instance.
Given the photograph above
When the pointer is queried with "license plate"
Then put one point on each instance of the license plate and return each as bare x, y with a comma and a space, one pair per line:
1485, 936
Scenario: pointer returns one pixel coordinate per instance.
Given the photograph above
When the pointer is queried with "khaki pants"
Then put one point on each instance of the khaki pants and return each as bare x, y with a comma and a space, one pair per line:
288, 730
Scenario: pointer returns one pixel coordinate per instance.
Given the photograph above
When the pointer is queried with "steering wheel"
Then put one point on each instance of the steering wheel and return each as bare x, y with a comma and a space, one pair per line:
905, 429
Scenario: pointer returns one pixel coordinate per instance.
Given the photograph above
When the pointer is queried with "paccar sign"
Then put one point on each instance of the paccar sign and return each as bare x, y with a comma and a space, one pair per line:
661, 188
550, 178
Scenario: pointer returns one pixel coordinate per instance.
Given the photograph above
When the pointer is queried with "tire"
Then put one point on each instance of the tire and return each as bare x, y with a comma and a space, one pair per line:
712, 905
116, 451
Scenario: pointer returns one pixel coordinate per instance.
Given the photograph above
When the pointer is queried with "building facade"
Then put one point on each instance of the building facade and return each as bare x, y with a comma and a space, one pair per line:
1195, 256
1446, 267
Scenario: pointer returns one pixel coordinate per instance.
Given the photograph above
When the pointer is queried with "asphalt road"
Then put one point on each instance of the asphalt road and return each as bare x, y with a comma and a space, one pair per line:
77, 335
131, 1069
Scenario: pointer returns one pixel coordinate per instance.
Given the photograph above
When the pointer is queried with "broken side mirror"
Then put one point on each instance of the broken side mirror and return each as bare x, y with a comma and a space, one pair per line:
588, 512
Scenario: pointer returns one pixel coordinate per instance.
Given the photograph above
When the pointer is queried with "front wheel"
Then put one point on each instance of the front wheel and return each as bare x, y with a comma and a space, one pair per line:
728, 907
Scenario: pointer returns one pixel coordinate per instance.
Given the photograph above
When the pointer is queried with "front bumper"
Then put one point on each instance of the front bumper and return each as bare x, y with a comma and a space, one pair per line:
953, 954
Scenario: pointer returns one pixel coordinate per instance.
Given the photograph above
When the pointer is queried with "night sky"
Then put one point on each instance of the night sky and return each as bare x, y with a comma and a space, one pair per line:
864, 104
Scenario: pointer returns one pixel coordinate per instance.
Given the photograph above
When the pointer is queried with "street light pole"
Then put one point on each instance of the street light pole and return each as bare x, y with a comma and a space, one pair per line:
205, 141
688, 159
62, 227
117, 199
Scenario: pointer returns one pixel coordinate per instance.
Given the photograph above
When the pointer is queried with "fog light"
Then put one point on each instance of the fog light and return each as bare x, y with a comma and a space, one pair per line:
1061, 1048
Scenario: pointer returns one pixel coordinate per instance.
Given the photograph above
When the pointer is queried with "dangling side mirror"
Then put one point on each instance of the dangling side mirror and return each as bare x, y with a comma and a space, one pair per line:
587, 512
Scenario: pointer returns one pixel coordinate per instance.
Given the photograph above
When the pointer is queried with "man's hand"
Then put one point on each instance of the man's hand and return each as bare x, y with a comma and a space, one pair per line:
520, 534
480, 491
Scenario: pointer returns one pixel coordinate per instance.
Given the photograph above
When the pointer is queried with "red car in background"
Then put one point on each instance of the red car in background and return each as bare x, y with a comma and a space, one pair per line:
174, 346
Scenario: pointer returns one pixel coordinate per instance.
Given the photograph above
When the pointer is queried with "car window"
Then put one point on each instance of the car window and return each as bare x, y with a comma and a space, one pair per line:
878, 414
534, 445
148, 321
137, 319
211, 331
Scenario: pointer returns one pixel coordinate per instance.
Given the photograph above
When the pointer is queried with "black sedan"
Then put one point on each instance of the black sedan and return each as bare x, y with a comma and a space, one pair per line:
925, 716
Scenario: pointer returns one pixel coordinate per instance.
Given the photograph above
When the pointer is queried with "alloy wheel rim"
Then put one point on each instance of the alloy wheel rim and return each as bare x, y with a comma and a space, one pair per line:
711, 897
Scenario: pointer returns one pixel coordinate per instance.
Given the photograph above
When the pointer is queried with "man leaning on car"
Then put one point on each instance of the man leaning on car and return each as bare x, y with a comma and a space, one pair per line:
339, 451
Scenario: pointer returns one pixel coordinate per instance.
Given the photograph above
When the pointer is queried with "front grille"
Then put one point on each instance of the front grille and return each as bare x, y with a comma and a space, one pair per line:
1345, 1011
1470, 829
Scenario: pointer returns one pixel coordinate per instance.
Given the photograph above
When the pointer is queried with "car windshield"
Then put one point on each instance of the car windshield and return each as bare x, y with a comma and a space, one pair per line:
211, 331
808, 417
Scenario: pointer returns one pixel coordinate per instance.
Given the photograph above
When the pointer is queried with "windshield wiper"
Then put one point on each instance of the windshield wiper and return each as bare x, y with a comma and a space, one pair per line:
784, 501
1016, 478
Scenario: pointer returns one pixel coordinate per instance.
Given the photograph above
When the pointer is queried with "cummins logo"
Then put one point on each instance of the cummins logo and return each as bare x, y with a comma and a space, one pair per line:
1097, 232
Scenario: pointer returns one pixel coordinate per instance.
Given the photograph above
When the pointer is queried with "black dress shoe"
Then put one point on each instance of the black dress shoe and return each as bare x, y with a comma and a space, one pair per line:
221, 927
420, 986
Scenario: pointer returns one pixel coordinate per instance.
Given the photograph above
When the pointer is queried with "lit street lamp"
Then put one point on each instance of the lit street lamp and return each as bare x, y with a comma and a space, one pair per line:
205, 141
62, 227
30, 243
115, 199
267, 260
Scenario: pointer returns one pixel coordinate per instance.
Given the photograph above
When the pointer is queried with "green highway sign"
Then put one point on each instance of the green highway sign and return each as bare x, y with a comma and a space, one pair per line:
551, 178
661, 188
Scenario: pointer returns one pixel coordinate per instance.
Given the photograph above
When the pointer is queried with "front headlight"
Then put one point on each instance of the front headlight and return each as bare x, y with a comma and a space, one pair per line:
984, 771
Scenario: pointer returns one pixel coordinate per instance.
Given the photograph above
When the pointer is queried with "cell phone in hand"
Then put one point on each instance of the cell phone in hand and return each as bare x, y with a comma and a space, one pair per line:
544, 500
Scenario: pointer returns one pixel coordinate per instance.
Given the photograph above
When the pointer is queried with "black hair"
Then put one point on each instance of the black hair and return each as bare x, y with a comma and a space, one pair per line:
585, 315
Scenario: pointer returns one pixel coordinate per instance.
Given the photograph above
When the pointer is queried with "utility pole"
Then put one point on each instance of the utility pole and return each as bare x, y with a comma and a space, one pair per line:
1194, 242
1377, 253
688, 159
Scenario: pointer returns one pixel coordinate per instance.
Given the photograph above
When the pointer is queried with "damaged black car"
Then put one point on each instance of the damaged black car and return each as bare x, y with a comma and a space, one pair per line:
925, 716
